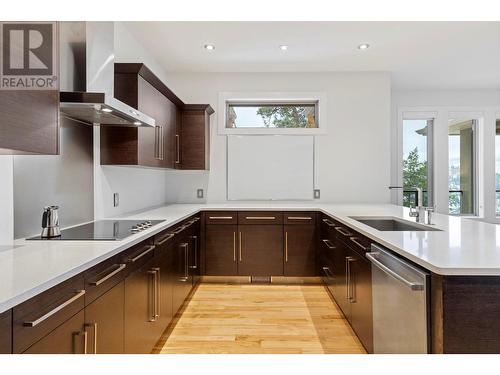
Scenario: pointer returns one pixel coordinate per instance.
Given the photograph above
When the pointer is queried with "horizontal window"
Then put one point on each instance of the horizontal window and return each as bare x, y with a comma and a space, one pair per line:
272, 115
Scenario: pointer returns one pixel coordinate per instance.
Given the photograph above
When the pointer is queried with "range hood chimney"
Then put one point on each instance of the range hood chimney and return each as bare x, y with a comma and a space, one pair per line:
87, 77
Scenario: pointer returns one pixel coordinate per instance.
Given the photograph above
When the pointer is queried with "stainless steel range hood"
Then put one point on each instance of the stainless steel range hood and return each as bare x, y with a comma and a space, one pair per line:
87, 77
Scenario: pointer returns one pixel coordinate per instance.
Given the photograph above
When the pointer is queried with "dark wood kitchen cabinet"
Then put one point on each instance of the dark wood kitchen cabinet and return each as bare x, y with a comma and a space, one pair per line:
220, 250
182, 280
164, 259
6, 332
180, 138
69, 338
104, 322
300, 243
29, 122
260, 250
347, 274
141, 308
193, 137
142, 146
40, 316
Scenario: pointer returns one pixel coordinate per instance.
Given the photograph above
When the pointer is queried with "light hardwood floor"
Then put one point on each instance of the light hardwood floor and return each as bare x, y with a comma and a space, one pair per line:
260, 319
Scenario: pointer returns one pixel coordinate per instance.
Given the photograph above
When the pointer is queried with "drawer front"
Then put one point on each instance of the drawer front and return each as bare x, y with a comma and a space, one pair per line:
40, 315
343, 232
6, 332
352, 238
101, 278
221, 217
138, 255
300, 218
260, 217
360, 243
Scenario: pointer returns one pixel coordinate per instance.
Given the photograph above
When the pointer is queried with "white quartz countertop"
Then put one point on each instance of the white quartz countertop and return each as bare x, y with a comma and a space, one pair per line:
462, 247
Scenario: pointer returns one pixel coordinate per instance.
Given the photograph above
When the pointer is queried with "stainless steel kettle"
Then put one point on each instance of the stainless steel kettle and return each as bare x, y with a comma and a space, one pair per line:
50, 222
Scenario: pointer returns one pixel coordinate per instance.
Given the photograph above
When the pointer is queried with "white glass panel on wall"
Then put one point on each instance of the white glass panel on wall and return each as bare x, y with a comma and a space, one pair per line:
461, 164
416, 161
271, 115
497, 168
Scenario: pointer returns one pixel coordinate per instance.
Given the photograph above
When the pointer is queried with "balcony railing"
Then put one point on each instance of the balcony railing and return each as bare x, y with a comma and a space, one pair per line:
414, 194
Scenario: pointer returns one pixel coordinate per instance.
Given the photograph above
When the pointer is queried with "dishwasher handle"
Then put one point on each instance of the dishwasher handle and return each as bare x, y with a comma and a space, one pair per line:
412, 285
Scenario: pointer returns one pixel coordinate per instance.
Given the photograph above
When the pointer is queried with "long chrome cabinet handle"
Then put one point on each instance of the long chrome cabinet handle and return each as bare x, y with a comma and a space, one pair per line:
328, 244
328, 222
94, 327
158, 293
220, 217
145, 252
109, 275
165, 239
234, 246
349, 286
161, 144
343, 231
44, 317
186, 264
286, 246
152, 301
260, 217
299, 218
412, 285
240, 245
195, 253
327, 272
157, 137
178, 149
180, 229
355, 240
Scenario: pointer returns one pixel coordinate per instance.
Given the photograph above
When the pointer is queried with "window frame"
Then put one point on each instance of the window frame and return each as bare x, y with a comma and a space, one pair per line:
476, 119
269, 98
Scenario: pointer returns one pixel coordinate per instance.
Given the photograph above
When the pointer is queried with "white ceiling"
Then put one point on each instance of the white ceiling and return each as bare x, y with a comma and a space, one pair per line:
419, 55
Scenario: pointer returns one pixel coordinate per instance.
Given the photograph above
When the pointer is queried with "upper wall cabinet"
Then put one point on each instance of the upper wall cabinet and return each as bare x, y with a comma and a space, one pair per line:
175, 142
193, 137
29, 122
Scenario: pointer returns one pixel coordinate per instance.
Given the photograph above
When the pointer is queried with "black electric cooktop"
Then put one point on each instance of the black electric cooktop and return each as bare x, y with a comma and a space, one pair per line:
103, 230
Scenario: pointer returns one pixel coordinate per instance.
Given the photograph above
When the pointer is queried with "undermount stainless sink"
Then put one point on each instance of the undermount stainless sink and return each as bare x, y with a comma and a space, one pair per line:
391, 224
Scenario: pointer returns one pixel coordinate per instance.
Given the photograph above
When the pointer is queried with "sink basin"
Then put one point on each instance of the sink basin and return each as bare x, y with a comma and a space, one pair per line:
391, 224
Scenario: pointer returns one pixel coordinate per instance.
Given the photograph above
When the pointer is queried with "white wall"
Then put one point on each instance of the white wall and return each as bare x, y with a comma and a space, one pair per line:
138, 187
483, 105
352, 160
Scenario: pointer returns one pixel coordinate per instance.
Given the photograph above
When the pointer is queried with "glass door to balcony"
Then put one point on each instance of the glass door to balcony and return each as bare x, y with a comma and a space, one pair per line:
461, 167
417, 161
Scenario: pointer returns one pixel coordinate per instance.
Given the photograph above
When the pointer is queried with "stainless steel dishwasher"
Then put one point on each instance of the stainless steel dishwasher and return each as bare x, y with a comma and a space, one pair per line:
400, 304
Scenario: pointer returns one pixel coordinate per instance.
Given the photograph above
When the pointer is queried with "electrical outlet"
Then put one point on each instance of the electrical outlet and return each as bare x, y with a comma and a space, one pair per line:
317, 194
199, 193
116, 199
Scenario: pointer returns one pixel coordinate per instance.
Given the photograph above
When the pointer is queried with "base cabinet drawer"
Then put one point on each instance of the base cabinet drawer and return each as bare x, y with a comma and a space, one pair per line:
40, 315
69, 338
104, 322
6, 332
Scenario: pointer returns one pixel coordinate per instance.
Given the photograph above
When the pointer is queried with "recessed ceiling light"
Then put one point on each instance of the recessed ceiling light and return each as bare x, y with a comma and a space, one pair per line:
107, 110
137, 123
283, 47
363, 46
209, 47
